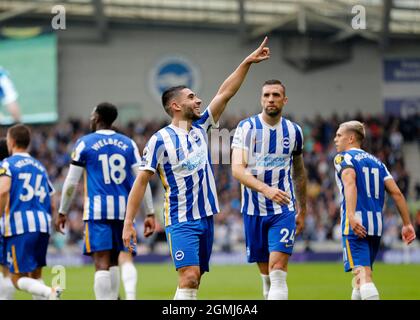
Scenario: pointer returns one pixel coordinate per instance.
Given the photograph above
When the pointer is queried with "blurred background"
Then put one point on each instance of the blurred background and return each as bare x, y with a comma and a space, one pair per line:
339, 60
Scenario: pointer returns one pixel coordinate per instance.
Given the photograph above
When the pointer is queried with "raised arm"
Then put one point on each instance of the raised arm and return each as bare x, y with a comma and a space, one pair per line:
14, 110
232, 84
299, 182
407, 232
134, 200
240, 172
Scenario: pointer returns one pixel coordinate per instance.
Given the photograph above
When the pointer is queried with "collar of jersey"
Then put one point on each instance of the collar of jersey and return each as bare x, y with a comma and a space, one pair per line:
355, 149
267, 125
180, 130
105, 131
23, 154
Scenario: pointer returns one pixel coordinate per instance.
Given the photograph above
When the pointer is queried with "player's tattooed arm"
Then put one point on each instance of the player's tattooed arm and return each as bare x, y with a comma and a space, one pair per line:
299, 181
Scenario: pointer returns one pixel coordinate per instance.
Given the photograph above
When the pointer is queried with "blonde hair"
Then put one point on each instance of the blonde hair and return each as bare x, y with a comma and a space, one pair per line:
357, 127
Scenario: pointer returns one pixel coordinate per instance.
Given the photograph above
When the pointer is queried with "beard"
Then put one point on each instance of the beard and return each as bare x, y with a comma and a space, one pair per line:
190, 115
273, 112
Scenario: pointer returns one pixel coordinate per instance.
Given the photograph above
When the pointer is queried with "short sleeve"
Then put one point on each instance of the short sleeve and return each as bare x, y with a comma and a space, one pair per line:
342, 161
78, 156
152, 153
206, 121
51, 189
5, 169
136, 160
298, 148
242, 137
387, 174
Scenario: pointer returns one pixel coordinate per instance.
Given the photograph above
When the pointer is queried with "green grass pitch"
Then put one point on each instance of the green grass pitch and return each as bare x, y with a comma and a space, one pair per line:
314, 281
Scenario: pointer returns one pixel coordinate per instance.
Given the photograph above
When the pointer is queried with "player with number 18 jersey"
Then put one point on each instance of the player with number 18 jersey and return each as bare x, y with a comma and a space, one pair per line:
109, 160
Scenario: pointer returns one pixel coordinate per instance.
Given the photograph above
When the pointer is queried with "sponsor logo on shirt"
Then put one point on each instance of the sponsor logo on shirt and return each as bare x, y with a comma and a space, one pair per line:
338, 159
269, 161
194, 161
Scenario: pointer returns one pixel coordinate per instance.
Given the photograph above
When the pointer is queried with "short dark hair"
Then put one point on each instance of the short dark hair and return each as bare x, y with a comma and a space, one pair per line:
168, 95
107, 113
21, 134
274, 81
4, 153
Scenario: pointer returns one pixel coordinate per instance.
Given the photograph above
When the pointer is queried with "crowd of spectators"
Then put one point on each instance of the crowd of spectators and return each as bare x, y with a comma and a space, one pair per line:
52, 145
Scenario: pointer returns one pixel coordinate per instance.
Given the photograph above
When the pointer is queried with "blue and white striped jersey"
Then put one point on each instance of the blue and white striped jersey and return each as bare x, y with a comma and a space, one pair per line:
29, 207
1, 219
370, 176
270, 151
109, 159
183, 162
8, 92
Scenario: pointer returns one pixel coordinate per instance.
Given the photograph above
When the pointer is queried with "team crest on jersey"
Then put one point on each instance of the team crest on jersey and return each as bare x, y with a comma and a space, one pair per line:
179, 255
338, 159
145, 152
194, 136
286, 142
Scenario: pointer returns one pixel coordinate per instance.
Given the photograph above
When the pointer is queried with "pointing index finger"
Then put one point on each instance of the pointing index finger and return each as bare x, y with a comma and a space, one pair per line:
263, 44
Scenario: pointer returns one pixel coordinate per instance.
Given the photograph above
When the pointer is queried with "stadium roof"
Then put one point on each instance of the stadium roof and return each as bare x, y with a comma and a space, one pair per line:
252, 18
